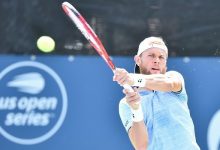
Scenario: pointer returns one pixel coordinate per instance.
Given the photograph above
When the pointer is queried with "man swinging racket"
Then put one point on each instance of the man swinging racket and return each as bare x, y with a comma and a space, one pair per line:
155, 115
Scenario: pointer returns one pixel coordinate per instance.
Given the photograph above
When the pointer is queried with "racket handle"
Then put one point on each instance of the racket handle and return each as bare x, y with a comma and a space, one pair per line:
128, 87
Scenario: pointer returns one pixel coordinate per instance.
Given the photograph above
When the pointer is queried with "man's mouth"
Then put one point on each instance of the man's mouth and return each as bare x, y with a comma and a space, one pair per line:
155, 69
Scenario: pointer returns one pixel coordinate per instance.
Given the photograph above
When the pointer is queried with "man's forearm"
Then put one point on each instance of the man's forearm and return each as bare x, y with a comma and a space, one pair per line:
158, 82
138, 135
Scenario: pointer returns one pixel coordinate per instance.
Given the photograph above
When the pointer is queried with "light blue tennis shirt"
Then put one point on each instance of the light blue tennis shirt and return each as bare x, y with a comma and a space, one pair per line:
167, 119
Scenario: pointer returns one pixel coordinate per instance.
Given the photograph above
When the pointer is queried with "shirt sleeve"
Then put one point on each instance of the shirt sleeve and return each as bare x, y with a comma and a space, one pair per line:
125, 114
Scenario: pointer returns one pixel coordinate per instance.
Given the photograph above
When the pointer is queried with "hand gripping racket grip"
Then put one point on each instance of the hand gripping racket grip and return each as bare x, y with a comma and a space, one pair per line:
128, 87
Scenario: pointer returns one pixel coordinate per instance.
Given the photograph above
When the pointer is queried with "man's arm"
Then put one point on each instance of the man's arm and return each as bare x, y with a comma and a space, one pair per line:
137, 133
170, 81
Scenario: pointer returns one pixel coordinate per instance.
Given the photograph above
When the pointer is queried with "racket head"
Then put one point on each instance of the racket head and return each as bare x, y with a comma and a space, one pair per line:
87, 31
89, 34
79, 21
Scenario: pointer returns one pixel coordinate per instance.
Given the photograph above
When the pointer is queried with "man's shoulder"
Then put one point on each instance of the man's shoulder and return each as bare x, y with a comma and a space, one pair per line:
174, 73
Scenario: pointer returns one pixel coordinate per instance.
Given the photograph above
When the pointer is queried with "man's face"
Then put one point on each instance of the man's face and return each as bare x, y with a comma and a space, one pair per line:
152, 61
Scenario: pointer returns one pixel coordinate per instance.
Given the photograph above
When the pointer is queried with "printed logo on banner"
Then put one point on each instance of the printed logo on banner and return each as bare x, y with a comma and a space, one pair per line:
213, 136
33, 102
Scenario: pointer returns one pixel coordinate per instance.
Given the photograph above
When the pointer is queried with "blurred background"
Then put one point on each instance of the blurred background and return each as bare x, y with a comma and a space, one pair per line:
190, 28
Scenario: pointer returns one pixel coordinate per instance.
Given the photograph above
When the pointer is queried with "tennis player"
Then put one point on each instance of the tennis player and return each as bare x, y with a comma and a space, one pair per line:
155, 115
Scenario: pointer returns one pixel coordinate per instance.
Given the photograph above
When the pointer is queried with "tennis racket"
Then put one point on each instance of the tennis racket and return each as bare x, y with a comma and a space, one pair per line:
90, 35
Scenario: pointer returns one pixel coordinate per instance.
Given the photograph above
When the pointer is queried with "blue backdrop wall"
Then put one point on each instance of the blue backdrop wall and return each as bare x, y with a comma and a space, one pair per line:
66, 102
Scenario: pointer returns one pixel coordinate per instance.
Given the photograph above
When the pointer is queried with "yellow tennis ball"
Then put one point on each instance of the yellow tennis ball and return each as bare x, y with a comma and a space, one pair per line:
46, 44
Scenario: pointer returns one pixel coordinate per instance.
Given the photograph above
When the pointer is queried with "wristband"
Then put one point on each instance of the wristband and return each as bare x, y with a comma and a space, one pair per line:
137, 114
139, 80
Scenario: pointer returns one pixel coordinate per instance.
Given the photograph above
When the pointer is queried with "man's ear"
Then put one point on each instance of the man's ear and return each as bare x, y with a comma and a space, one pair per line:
137, 60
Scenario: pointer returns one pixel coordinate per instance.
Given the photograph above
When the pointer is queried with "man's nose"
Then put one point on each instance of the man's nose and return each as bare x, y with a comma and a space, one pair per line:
156, 59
